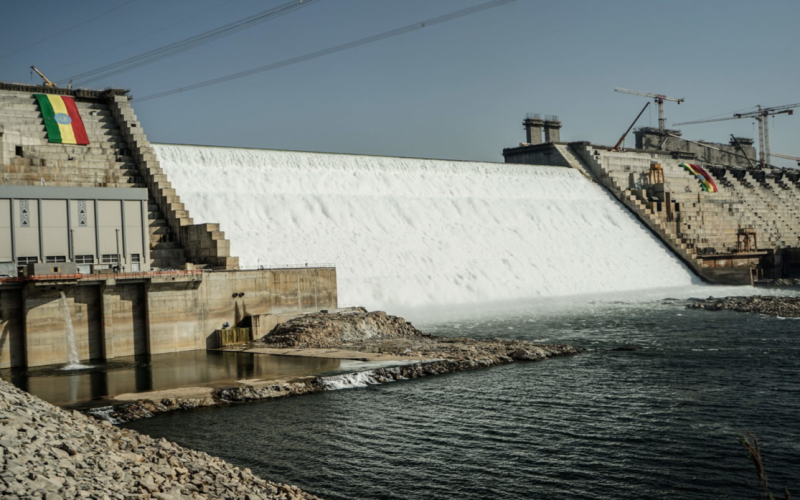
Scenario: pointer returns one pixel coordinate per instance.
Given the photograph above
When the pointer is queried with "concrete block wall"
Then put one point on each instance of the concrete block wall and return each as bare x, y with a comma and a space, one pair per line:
710, 221
702, 227
203, 244
45, 337
103, 163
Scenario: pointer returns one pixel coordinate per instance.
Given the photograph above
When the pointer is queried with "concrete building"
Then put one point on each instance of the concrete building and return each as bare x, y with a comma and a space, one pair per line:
93, 228
731, 154
101, 226
746, 230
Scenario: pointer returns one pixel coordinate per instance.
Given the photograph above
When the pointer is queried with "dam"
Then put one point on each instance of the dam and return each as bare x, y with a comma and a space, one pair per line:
413, 232
158, 248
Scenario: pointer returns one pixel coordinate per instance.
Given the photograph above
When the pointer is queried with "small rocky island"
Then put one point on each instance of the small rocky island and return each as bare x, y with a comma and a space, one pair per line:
403, 351
379, 333
785, 307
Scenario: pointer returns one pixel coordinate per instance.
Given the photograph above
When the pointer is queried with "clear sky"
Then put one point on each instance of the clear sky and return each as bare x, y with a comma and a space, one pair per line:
457, 90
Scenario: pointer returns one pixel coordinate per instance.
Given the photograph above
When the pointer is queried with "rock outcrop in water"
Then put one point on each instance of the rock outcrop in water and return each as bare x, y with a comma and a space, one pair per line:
49, 453
785, 307
377, 332
323, 330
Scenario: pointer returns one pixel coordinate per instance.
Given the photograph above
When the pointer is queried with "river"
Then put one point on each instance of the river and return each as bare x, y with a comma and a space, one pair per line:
661, 421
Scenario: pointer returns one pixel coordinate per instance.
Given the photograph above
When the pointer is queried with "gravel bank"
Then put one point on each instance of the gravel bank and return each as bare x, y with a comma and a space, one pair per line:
49, 453
785, 307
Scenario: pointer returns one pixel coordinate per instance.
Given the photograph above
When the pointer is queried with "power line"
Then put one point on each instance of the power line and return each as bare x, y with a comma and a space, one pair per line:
332, 50
189, 43
109, 49
41, 41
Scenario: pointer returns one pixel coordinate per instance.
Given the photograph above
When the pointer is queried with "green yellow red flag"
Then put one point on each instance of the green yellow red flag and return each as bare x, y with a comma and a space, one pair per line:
61, 119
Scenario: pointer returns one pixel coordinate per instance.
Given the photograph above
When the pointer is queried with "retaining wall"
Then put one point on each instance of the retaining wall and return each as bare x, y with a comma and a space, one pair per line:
162, 314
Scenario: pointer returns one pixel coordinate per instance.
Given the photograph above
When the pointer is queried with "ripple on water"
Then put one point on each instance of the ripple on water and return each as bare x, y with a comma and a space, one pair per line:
660, 422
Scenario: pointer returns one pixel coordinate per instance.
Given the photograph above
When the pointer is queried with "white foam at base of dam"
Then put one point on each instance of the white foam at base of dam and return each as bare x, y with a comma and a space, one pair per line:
409, 233
350, 380
73, 361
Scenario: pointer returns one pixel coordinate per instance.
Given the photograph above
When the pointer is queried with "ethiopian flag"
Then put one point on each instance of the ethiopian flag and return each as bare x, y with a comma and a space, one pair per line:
61, 119
706, 182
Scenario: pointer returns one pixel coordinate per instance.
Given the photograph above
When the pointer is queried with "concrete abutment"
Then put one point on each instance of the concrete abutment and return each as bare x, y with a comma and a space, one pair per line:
163, 314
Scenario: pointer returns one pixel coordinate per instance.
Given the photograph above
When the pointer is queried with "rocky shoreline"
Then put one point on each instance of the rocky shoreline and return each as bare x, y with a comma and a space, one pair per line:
354, 330
52, 454
785, 307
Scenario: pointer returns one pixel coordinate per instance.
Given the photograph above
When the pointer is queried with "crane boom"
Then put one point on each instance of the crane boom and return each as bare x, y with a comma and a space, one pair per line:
708, 121
47, 83
786, 157
648, 94
761, 115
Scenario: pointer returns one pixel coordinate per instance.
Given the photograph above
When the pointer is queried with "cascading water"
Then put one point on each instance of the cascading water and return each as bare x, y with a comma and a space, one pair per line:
73, 361
410, 233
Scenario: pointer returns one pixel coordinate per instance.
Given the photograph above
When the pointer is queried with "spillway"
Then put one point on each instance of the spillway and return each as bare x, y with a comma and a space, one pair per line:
412, 232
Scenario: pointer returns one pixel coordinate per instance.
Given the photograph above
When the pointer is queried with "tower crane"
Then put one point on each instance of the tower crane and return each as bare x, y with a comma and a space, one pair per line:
761, 115
659, 99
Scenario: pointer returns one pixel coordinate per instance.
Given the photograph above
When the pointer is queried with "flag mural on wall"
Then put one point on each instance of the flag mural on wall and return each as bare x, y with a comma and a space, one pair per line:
61, 119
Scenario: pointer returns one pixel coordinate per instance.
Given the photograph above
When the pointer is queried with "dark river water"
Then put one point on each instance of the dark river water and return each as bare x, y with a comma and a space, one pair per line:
99, 381
662, 421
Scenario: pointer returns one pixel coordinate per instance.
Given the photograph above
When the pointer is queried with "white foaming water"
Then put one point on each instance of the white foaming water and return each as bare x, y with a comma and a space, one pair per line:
409, 233
73, 361
349, 380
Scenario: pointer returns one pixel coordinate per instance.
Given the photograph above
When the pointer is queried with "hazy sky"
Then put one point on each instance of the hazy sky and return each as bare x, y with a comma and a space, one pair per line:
457, 90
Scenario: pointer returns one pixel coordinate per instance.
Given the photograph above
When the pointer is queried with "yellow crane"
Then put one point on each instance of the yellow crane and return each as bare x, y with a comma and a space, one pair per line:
47, 83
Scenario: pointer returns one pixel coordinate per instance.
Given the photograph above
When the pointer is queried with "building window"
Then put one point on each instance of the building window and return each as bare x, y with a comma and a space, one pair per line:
27, 260
110, 258
18, 150
55, 258
84, 259
135, 262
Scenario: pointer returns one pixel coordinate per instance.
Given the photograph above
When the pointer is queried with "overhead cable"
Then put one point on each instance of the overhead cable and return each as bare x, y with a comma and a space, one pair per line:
332, 50
149, 33
42, 40
188, 43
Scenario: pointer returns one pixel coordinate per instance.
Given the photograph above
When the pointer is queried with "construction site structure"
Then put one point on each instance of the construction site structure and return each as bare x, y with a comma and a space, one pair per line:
730, 223
659, 99
761, 115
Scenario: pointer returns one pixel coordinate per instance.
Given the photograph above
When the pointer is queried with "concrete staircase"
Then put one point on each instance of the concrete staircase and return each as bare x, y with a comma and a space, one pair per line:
174, 236
768, 205
28, 159
574, 161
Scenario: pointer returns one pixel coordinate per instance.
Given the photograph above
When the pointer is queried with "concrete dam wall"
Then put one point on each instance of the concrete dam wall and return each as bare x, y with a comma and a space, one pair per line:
410, 232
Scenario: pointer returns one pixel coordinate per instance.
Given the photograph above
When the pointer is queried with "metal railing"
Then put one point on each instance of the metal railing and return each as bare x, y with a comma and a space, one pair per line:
140, 275
99, 276
50, 277
308, 265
